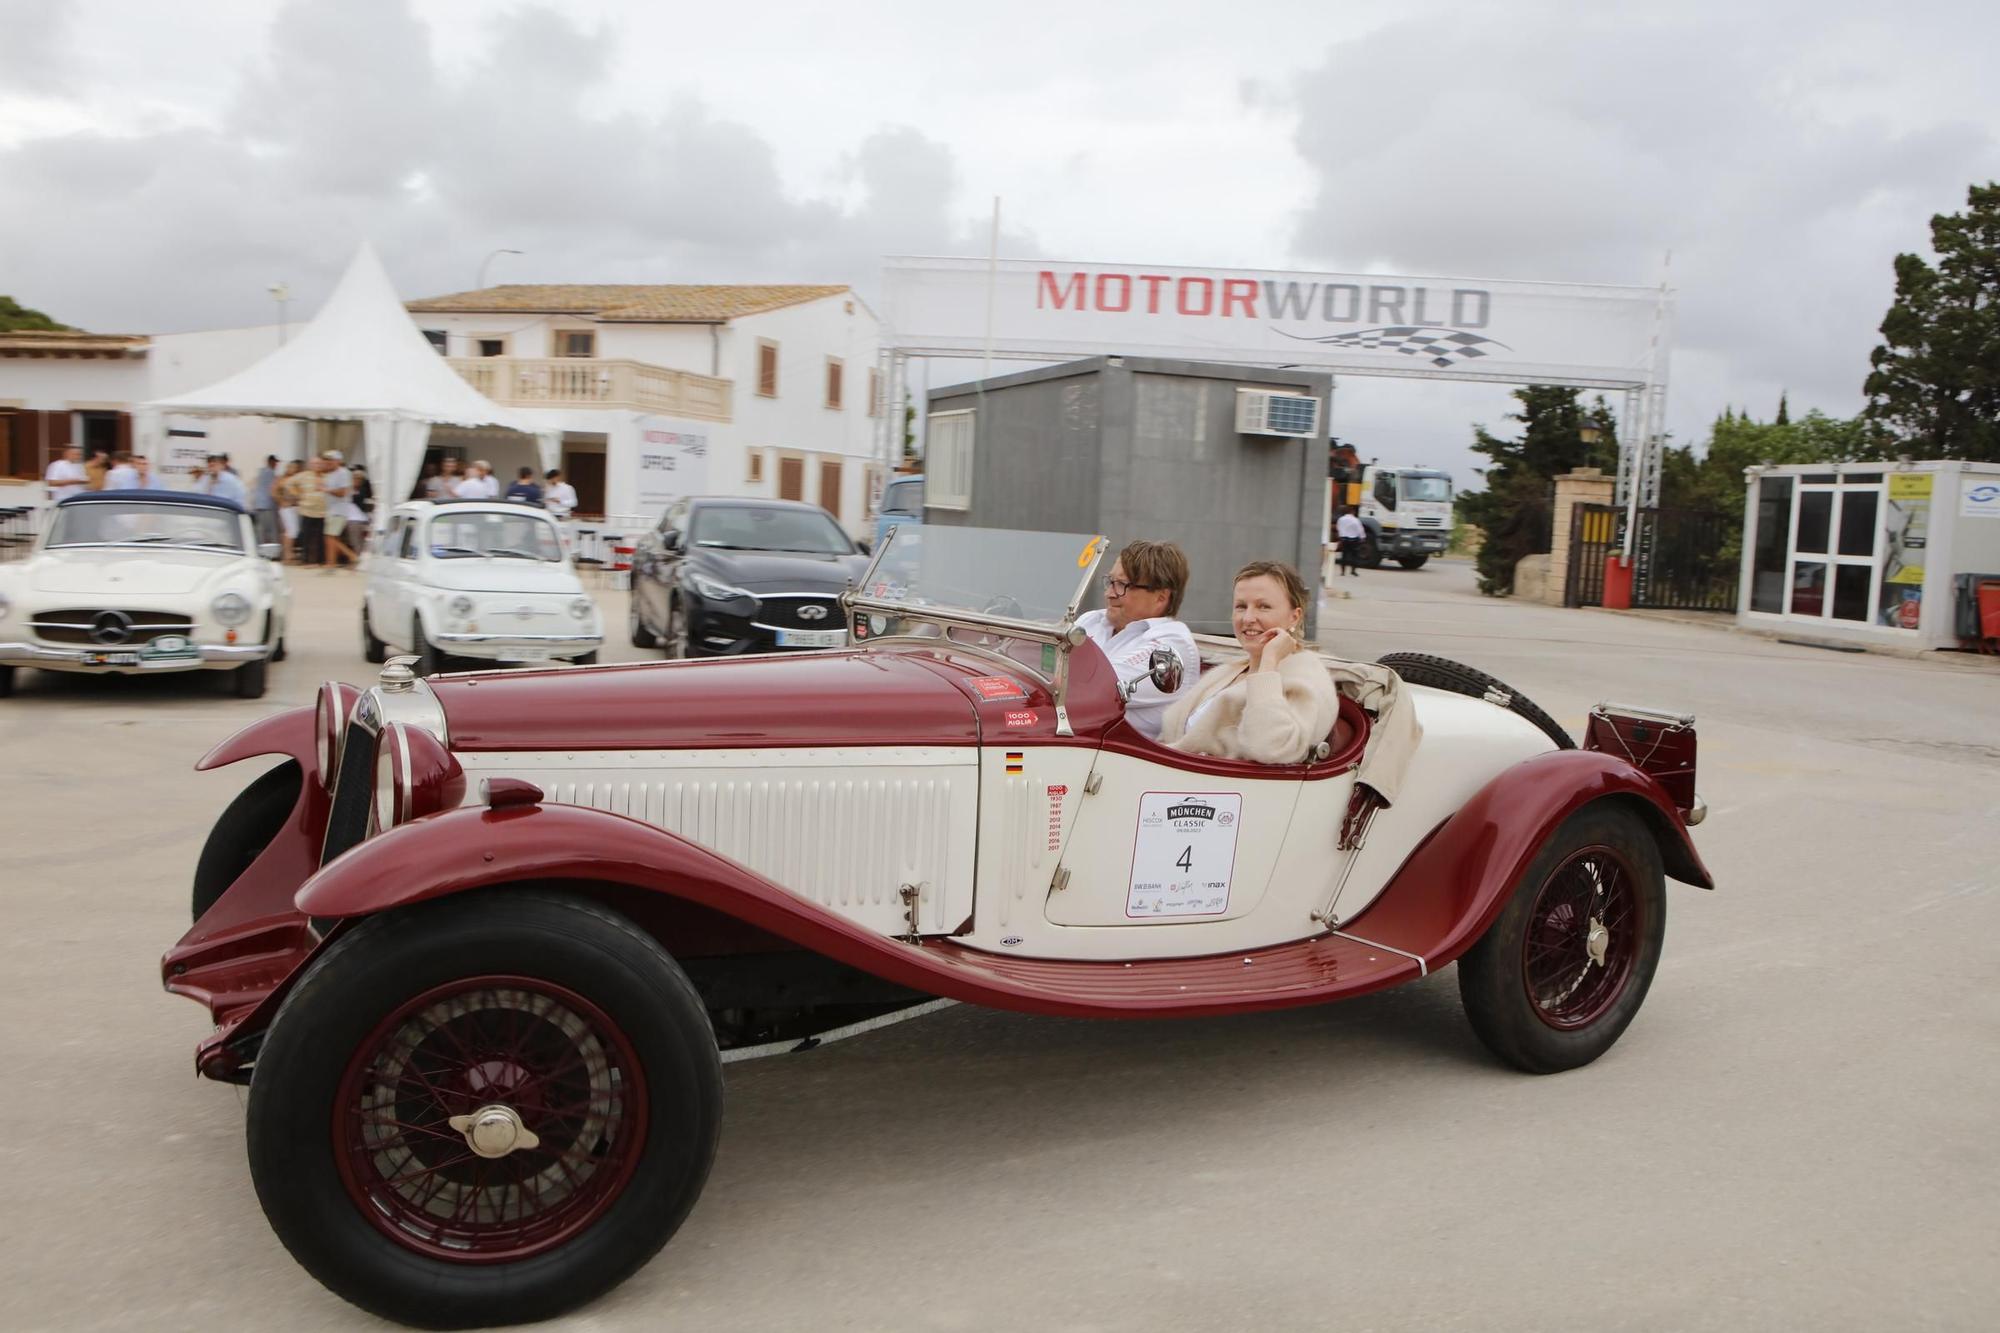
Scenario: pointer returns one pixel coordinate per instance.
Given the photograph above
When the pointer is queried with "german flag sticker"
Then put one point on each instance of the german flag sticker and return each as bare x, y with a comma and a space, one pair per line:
1014, 761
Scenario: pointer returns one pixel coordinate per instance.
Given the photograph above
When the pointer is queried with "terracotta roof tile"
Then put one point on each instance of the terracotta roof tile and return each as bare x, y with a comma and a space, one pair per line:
51, 342
627, 302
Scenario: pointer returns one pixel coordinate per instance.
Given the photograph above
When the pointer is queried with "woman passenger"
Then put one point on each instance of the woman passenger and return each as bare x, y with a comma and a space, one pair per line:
1277, 703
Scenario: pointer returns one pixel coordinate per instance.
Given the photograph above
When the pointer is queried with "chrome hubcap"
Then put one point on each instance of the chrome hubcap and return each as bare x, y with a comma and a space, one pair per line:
495, 1131
1598, 941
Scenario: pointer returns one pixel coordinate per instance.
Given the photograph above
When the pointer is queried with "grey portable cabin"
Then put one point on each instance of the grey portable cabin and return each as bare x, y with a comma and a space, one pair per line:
1134, 448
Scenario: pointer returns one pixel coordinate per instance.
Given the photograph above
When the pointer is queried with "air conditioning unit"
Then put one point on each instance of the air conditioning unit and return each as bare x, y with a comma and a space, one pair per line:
1261, 412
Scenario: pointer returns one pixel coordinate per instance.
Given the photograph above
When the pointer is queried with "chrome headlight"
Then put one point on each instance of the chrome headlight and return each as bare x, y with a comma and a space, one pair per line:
414, 776
720, 592
581, 608
460, 606
232, 608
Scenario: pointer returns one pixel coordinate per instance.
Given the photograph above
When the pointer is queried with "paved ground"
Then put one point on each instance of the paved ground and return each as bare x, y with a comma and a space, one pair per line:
1797, 1132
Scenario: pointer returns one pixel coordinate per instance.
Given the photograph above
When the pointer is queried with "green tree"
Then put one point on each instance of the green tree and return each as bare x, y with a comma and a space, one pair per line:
1516, 508
1935, 380
15, 317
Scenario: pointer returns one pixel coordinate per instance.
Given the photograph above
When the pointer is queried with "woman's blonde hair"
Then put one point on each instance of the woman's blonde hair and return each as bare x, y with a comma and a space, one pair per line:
1287, 577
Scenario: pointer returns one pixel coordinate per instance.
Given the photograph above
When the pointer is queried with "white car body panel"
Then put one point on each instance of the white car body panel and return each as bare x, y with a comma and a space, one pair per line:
160, 579
843, 828
521, 608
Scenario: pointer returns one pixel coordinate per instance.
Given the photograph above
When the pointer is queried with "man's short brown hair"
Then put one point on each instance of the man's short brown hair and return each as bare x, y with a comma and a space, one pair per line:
1159, 566
1287, 577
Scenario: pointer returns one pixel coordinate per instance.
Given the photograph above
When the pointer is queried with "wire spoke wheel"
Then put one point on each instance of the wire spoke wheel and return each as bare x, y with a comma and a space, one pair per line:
499, 1045
1562, 970
1582, 939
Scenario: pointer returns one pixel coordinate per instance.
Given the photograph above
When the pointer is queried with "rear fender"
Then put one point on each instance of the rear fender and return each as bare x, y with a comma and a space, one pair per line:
1458, 879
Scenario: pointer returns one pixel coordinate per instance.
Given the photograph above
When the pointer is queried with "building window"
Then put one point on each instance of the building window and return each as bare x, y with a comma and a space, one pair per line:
874, 392
491, 346
833, 385
948, 460
753, 471
576, 342
767, 368
437, 339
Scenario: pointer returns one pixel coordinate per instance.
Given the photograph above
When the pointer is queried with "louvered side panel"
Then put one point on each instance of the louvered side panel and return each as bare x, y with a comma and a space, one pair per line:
846, 837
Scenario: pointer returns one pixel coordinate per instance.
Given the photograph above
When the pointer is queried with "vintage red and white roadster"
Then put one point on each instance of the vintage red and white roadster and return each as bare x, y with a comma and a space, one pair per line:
478, 944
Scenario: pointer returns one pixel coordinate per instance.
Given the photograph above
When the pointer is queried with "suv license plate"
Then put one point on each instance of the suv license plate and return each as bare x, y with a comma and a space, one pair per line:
111, 659
812, 638
525, 655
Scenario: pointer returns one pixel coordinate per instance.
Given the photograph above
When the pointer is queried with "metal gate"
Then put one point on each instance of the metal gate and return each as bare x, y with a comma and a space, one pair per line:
1593, 535
1683, 559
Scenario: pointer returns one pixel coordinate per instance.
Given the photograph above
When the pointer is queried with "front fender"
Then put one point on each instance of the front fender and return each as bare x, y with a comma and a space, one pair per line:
289, 732
1458, 879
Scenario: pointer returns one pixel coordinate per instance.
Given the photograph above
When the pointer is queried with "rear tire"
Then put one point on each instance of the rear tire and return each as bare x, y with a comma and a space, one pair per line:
1535, 991
1442, 673
245, 829
1413, 561
588, 659
557, 1009
6, 681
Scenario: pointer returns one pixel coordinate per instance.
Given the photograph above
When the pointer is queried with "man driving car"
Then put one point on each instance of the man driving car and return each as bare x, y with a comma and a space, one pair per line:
1142, 598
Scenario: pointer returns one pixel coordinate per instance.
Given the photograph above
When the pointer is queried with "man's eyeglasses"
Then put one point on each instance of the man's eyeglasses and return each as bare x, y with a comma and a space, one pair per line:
1119, 587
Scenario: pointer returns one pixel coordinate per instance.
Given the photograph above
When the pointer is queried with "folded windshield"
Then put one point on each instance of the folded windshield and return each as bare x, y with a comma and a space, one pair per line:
523, 536
159, 523
1039, 577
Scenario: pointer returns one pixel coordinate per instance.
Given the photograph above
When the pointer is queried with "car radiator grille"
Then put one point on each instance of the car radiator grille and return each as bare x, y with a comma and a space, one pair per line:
347, 823
797, 612
1430, 522
75, 625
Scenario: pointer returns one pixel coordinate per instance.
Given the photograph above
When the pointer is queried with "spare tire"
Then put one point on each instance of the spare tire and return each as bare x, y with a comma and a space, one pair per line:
1441, 673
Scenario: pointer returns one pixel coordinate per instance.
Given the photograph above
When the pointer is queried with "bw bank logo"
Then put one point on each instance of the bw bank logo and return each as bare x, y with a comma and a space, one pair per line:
1443, 348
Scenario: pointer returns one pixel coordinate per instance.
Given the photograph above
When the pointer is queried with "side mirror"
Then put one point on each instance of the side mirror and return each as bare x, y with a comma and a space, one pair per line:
1163, 668
867, 547
270, 550
673, 543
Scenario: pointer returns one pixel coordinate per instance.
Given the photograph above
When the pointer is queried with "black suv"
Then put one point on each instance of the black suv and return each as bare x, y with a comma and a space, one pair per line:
720, 576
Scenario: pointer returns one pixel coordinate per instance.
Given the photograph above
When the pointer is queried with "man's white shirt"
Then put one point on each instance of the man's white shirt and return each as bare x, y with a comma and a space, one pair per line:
1131, 652
65, 478
477, 488
560, 499
123, 477
1349, 526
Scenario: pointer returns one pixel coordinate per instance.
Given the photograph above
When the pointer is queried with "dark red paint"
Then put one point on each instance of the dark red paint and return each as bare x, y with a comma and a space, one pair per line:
871, 698
1449, 890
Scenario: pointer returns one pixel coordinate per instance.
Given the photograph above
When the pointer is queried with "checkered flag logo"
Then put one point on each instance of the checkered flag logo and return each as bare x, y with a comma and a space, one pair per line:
1443, 348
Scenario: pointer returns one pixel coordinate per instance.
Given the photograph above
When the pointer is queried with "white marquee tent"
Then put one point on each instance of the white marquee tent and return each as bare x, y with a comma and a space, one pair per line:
360, 359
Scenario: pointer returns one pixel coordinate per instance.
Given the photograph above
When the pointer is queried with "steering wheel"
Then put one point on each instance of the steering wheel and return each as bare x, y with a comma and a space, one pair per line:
1004, 605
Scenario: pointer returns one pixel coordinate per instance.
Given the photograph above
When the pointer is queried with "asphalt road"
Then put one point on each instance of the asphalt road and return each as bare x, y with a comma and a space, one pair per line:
1798, 1131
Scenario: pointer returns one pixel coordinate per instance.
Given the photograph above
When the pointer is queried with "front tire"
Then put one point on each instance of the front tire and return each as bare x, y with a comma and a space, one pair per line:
250, 678
674, 642
1413, 561
372, 648
429, 660
1371, 554
537, 1009
6, 681
1560, 974
636, 623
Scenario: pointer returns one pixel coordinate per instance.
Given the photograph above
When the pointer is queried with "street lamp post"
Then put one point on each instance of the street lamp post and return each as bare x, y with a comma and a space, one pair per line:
481, 286
281, 294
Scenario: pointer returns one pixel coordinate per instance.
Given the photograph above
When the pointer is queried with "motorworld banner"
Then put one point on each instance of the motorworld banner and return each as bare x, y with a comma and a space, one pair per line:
1445, 328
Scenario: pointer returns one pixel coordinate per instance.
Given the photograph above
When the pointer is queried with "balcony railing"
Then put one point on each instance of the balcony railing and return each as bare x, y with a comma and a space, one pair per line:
587, 382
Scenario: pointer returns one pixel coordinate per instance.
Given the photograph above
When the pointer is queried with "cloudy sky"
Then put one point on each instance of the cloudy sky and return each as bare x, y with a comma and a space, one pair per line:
163, 165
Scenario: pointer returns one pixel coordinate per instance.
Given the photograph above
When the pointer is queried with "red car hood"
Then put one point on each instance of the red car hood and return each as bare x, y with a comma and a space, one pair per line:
873, 698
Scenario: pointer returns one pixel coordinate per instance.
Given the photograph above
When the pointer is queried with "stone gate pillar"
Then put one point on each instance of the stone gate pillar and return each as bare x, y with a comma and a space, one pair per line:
1586, 485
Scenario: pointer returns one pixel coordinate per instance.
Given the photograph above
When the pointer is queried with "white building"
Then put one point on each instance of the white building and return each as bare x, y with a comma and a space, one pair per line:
662, 391
659, 391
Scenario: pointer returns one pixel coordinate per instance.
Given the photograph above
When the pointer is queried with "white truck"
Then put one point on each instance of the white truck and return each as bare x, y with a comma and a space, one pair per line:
1407, 511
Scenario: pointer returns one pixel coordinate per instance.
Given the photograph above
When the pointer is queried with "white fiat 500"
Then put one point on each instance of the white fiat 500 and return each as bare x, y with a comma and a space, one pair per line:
484, 579
142, 581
